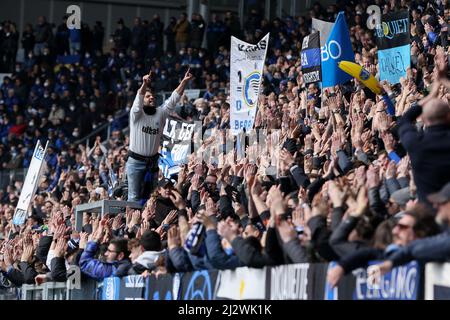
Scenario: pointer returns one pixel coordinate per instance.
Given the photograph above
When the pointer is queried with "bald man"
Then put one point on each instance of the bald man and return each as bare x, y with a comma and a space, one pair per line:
429, 149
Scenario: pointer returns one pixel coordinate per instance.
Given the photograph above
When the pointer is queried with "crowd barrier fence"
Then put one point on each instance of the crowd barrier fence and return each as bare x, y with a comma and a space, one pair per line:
284, 282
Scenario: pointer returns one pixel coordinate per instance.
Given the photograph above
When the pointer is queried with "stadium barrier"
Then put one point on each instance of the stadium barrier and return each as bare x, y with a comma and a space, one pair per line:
285, 282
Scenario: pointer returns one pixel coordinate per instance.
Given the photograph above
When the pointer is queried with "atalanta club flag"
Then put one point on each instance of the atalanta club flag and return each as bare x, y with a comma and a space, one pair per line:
394, 53
310, 58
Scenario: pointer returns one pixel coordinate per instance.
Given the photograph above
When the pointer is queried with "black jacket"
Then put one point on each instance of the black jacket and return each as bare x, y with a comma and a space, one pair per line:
163, 207
58, 269
339, 238
43, 248
295, 251
429, 152
250, 253
320, 236
28, 271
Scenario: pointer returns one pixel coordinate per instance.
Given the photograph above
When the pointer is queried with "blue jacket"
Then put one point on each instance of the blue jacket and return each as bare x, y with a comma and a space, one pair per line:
218, 258
431, 249
99, 270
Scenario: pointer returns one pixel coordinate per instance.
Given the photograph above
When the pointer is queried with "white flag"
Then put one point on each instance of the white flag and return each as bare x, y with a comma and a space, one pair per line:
247, 63
30, 184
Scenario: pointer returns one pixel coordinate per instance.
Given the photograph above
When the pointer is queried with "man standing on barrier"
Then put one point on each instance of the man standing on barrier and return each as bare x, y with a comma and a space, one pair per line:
146, 128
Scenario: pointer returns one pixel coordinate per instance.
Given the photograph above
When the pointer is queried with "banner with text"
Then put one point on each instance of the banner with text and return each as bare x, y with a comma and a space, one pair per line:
393, 41
247, 63
30, 184
310, 58
337, 48
176, 145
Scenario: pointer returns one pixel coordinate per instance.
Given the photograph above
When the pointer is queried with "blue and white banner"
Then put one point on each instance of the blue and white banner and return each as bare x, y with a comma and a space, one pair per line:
30, 184
402, 283
337, 48
393, 42
310, 58
111, 288
394, 62
247, 63
176, 145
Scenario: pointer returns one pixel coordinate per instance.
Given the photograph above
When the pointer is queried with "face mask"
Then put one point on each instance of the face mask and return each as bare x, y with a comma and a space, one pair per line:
201, 55
181, 52
30, 56
87, 55
72, 108
75, 134
149, 111
121, 55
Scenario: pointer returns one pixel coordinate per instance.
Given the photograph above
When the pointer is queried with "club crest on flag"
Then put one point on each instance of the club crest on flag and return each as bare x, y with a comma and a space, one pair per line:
251, 88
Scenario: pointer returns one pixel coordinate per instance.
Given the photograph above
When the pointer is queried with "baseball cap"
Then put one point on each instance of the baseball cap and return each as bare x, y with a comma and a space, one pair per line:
165, 182
442, 196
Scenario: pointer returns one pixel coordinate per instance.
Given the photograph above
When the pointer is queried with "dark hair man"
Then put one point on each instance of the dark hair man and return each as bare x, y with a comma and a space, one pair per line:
146, 128
116, 264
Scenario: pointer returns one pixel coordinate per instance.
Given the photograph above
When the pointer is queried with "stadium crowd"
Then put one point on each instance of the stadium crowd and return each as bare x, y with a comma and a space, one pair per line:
338, 178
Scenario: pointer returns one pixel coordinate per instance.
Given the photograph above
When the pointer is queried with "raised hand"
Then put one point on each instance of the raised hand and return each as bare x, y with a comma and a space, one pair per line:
373, 177
27, 253
61, 247
403, 167
195, 182
117, 222
336, 195
227, 229
83, 240
171, 216
135, 218
188, 75
206, 221
286, 231
277, 203
388, 140
177, 200
359, 207
391, 170
211, 208
173, 238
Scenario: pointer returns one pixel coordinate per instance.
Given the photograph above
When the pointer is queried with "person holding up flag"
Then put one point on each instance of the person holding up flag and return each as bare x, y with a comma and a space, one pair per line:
146, 129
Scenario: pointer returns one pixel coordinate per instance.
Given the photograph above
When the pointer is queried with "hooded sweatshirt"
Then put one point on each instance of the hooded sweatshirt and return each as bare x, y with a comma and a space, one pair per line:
146, 261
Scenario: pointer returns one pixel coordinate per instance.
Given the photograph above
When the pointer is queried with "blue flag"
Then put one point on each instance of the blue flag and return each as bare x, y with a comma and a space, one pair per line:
337, 48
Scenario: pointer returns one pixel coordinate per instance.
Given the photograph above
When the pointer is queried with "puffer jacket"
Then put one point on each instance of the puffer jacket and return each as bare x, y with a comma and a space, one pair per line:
99, 270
